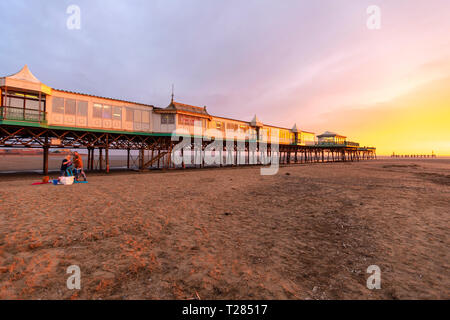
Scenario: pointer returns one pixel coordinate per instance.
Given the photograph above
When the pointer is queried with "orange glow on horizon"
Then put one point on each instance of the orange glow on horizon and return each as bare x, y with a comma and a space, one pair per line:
416, 123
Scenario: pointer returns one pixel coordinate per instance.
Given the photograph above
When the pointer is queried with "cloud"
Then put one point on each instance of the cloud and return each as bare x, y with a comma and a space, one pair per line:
287, 61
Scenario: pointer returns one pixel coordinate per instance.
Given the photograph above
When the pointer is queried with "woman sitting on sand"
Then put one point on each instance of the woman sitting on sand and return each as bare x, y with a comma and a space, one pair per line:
66, 164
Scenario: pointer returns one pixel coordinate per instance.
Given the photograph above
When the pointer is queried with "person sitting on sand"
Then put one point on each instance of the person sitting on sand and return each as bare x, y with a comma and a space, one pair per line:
78, 164
66, 164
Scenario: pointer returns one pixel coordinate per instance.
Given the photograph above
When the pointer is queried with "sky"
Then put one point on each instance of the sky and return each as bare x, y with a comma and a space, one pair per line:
313, 63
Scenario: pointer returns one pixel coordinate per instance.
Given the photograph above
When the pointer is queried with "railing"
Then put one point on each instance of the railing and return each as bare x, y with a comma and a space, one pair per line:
338, 144
351, 144
21, 114
330, 144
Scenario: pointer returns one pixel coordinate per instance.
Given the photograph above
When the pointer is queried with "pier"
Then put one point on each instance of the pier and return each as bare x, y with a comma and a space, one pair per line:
33, 115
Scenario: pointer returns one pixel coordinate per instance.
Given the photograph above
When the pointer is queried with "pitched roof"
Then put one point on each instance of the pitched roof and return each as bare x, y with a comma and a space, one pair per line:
255, 122
24, 74
330, 134
186, 107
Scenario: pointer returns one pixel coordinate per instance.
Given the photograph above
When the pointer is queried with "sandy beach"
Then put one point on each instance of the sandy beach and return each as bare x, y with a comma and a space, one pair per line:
309, 232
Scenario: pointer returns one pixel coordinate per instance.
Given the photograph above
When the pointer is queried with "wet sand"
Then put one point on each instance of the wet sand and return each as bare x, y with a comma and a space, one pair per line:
309, 232
20, 163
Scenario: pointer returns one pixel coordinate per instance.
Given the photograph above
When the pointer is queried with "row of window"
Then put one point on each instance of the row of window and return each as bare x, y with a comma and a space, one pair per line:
285, 135
185, 120
106, 112
332, 140
80, 108
167, 118
138, 116
23, 101
70, 107
219, 125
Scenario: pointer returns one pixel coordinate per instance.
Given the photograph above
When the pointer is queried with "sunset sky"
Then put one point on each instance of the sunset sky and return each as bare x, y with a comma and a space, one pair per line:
314, 63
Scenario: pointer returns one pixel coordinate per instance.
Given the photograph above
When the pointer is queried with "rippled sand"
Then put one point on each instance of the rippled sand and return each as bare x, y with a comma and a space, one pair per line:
309, 232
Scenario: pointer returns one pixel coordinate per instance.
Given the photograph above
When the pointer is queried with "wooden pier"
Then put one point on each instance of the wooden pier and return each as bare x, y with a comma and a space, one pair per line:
155, 150
33, 115
414, 156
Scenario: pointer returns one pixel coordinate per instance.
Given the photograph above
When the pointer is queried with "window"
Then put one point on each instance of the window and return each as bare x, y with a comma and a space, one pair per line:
32, 104
182, 120
117, 113
232, 126
82, 108
164, 118
71, 107
137, 116
283, 135
15, 102
23, 100
107, 112
129, 114
145, 117
97, 111
58, 105
185, 120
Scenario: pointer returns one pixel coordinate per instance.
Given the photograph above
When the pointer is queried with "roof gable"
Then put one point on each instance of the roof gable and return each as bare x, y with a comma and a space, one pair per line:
24, 75
186, 107
255, 122
327, 134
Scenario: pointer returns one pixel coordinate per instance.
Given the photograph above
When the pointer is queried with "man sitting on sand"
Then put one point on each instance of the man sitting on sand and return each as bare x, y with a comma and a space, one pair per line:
78, 163
66, 164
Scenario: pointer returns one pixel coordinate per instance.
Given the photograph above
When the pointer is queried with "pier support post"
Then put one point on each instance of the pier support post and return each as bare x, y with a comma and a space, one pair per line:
202, 154
159, 151
89, 168
128, 158
141, 158
45, 156
45, 164
107, 159
169, 156
88, 159
100, 159
153, 153
183, 165
92, 158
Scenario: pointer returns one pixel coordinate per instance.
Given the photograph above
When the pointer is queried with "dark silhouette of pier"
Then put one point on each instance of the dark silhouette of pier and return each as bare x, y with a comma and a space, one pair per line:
415, 156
